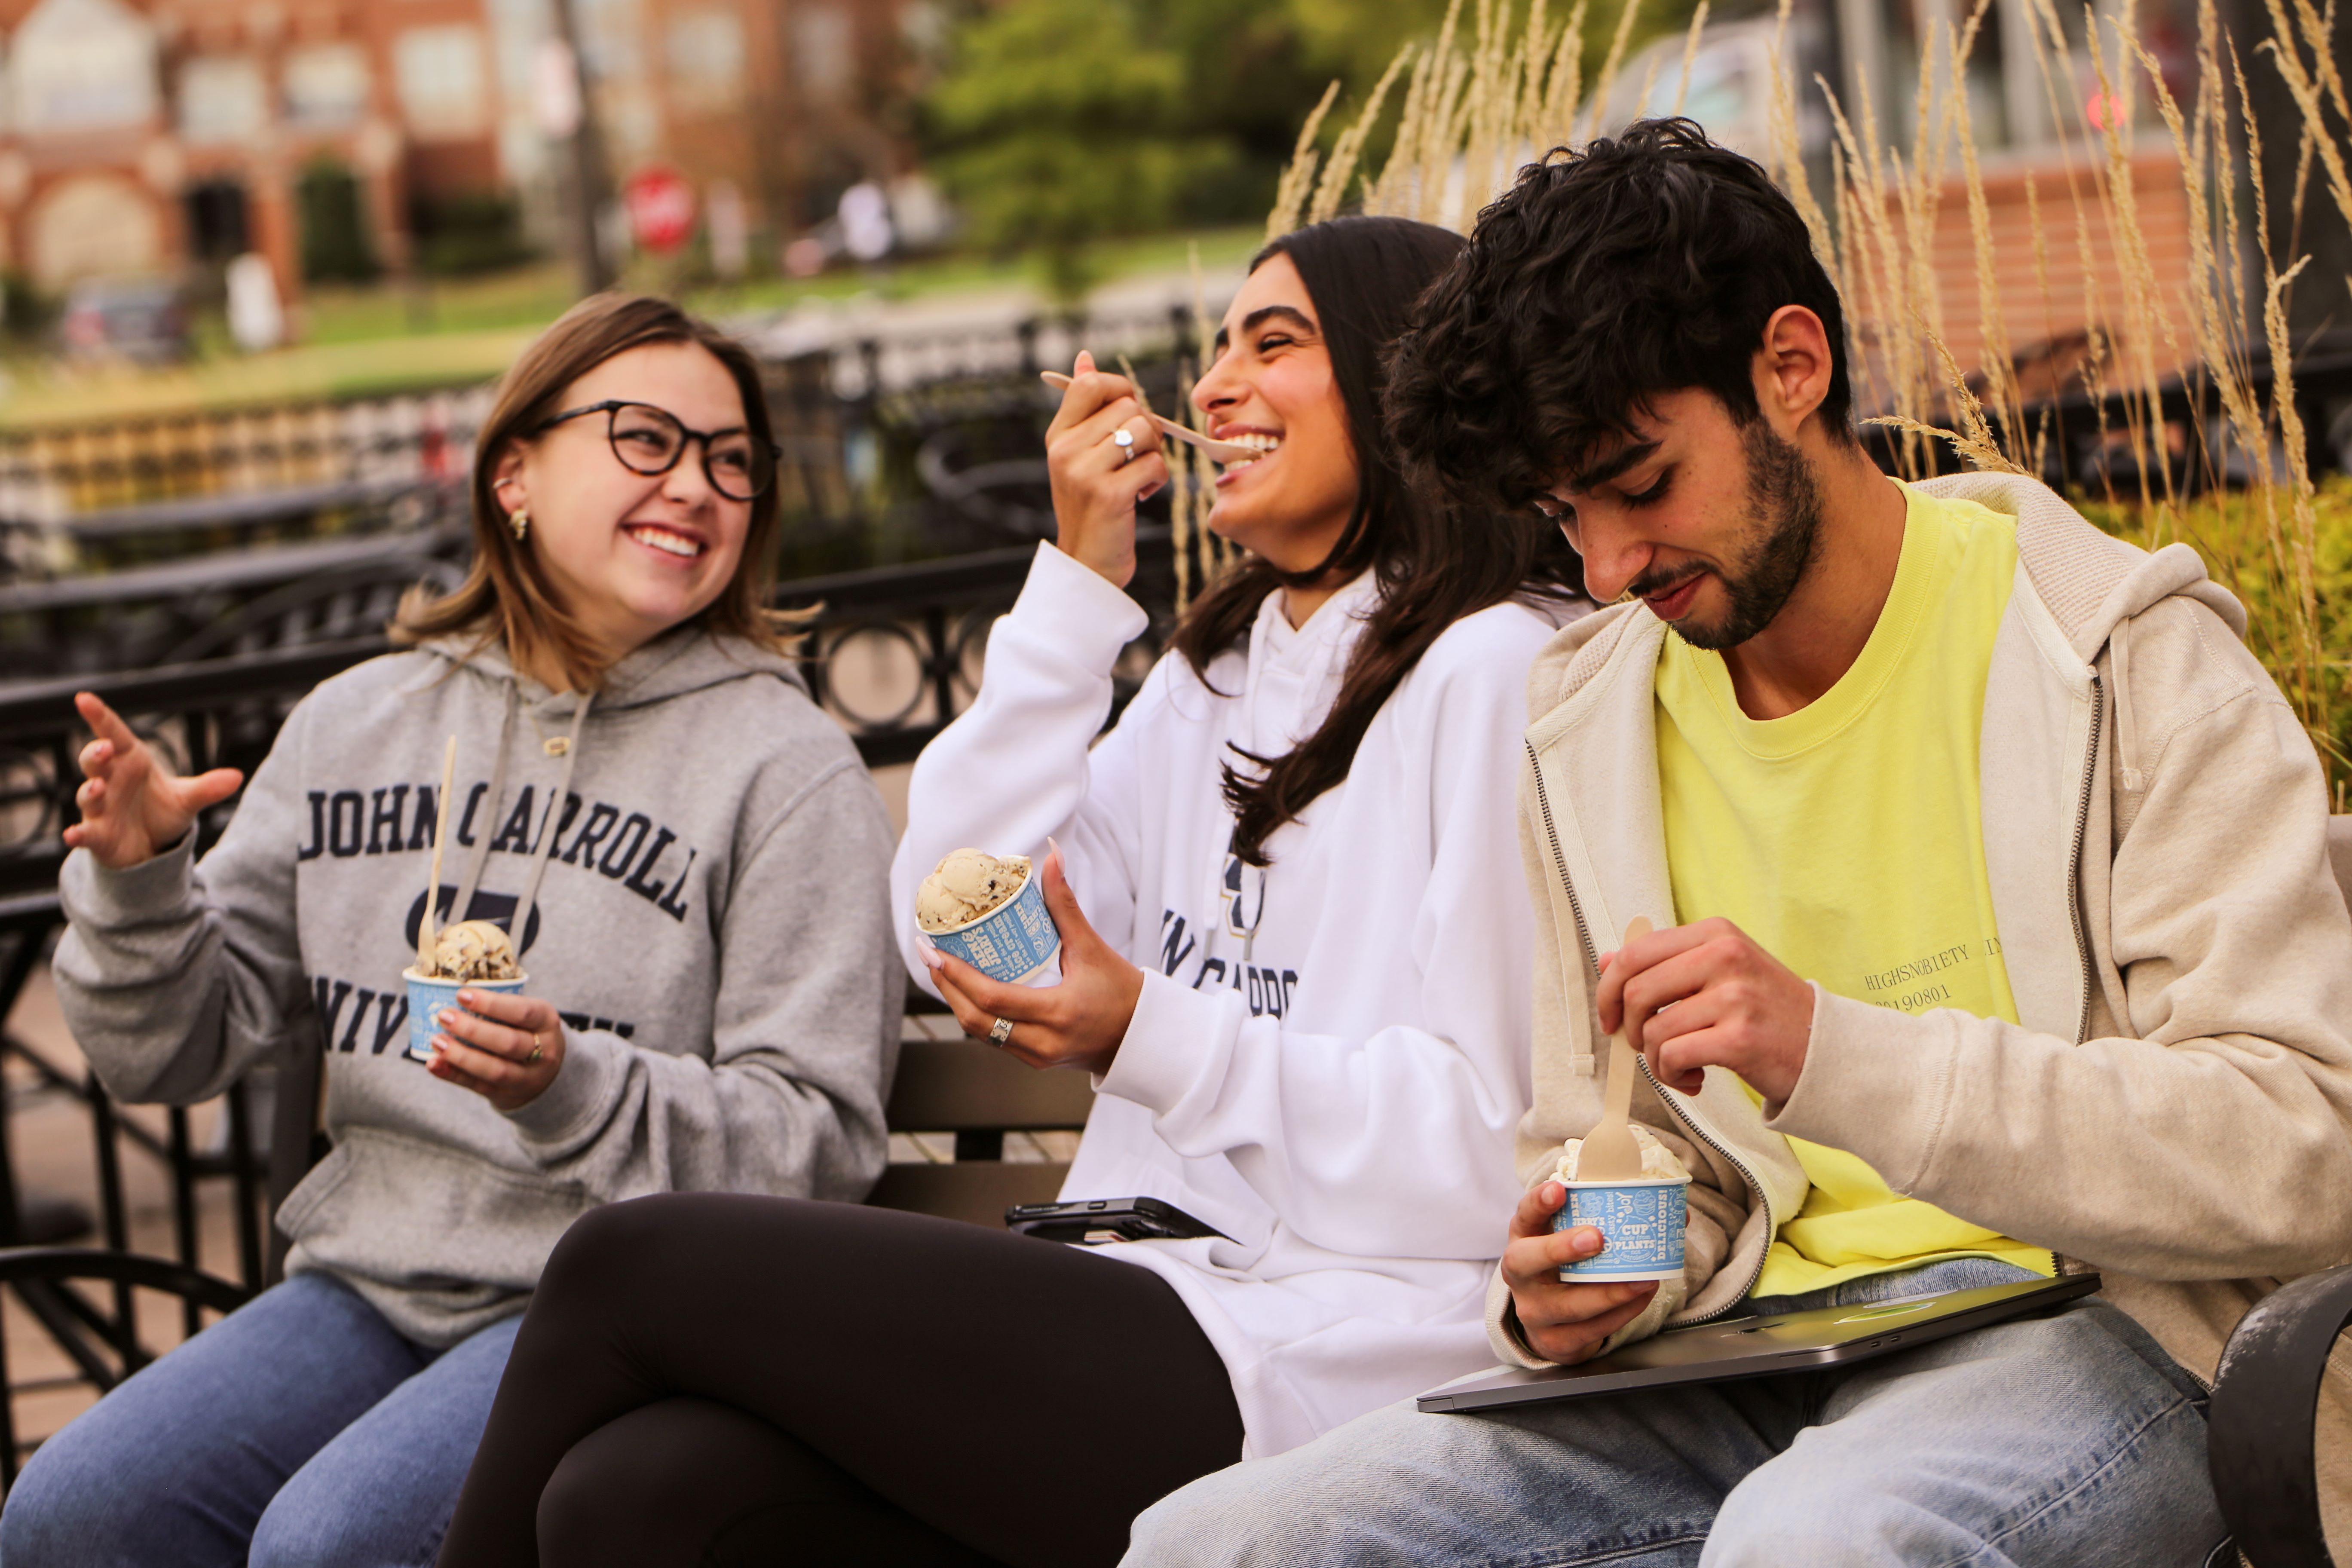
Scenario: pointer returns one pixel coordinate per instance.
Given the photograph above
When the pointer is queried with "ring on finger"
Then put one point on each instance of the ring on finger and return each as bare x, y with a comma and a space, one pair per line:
537, 1050
1124, 440
1000, 1032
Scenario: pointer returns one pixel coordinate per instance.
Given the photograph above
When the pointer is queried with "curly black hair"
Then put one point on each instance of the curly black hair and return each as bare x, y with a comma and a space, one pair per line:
1642, 264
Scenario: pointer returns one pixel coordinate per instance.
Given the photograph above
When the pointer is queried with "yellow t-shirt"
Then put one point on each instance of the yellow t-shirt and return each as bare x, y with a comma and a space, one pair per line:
1845, 839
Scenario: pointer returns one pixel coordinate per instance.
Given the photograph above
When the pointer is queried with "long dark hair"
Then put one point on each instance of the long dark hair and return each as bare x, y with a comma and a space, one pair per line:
1363, 275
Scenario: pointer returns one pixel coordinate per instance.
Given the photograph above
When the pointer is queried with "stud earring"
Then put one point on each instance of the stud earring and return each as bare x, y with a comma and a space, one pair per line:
520, 521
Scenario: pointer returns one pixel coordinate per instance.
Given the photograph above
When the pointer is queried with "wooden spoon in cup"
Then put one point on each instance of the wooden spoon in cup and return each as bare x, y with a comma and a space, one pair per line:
1218, 451
1609, 1153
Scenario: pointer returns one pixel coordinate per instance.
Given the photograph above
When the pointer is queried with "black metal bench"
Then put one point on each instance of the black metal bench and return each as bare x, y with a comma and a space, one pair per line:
226, 712
2262, 1446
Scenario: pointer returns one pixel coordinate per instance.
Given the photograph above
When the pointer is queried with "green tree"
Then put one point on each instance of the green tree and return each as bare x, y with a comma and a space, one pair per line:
1058, 123
1355, 39
1063, 121
334, 229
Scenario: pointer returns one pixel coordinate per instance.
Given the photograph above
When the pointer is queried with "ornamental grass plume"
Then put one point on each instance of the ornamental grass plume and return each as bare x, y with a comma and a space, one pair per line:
1192, 477
1472, 115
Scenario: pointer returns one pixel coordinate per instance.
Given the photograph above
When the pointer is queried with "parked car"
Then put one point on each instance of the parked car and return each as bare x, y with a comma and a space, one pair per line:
144, 319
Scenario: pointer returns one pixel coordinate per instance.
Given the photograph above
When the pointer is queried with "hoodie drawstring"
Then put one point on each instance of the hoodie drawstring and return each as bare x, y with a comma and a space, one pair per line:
2127, 730
518, 924
547, 833
481, 854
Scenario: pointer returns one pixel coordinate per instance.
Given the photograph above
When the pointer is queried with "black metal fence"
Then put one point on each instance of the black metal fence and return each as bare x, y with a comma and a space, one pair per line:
899, 450
52, 474
894, 653
193, 580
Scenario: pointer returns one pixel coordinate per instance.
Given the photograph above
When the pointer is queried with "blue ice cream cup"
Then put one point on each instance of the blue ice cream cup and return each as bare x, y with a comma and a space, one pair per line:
1011, 942
426, 998
1641, 1225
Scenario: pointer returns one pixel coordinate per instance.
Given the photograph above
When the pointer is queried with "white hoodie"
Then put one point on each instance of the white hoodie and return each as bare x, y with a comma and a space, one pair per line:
1337, 1092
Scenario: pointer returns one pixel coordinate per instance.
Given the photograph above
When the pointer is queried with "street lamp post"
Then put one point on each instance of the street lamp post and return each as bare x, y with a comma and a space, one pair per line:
590, 189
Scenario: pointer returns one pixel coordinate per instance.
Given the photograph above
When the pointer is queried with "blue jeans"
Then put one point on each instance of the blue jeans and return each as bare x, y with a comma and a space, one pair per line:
300, 1431
2060, 1441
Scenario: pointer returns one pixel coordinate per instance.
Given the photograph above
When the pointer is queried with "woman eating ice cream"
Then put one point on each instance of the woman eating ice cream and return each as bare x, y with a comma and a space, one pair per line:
640, 769
1294, 949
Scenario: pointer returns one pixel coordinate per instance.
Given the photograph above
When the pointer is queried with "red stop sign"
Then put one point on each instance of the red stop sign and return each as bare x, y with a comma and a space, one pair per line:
661, 207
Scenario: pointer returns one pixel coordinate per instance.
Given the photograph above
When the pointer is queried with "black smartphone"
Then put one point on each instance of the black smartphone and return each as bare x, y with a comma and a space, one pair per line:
1090, 1222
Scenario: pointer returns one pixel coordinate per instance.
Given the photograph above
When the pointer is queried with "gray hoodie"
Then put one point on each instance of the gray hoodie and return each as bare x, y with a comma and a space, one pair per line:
712, 923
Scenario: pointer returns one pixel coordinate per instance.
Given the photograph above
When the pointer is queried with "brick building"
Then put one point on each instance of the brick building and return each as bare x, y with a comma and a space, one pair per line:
146, 136
2038, 140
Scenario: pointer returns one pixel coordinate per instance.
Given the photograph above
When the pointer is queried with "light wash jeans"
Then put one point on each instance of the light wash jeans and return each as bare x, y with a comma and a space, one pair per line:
2063, 1441
300, 1431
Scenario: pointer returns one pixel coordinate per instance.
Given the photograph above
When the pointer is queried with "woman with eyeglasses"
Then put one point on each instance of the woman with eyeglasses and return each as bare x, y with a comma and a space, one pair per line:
688, 858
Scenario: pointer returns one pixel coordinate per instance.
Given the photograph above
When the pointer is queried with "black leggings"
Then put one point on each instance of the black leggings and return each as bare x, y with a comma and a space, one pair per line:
707, 1378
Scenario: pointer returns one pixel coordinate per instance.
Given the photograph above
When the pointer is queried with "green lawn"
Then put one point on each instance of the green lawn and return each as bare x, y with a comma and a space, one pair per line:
384, 339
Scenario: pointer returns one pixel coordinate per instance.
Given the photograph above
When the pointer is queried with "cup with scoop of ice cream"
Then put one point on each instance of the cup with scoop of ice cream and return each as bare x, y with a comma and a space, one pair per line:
990, 911
1640, 1220
470, 954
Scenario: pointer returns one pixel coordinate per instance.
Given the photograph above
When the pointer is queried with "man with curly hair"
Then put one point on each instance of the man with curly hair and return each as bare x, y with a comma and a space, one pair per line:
1998, 938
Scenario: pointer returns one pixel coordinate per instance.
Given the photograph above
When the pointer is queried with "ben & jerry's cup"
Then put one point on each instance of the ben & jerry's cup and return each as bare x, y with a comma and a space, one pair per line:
426, 998
1011, 942
1640, 1227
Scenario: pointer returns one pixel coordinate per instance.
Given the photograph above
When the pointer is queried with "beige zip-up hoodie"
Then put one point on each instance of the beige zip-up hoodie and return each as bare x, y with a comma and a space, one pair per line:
2174, 1107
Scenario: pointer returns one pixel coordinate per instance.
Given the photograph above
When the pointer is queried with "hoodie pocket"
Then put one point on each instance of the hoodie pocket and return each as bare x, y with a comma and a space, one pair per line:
421, 1215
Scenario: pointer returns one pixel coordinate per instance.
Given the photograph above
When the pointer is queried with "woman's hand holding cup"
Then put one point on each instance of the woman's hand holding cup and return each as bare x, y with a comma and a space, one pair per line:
1097, 482
504, 1047
133, 806
1077, 1023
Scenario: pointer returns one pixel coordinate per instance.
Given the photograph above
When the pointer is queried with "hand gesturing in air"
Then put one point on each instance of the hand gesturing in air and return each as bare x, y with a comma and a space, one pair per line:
133, 806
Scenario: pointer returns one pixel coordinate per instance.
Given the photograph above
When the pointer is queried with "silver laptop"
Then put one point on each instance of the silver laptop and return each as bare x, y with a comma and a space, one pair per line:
1754, 1347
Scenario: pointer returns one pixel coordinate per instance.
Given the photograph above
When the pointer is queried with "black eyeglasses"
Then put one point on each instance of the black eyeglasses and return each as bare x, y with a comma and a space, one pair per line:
650, 441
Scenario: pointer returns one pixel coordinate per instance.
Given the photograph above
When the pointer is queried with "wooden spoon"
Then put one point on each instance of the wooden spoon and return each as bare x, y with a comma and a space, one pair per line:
1218, 451
1610, 1153
425, 932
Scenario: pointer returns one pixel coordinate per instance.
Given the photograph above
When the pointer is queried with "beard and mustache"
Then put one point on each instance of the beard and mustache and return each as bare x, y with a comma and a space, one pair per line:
1784, 515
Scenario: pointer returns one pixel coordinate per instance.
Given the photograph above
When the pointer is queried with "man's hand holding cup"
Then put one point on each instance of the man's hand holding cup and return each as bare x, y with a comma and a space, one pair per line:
1561, 1322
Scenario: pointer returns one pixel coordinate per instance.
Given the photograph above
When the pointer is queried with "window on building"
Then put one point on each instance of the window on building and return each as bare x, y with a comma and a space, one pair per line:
91, 225
326, 85
82, 65
223, 99
611, 39
443, 86
219, 226
824, 50
706, 59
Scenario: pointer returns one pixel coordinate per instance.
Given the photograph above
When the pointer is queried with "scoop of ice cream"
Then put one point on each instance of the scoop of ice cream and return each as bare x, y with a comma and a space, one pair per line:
967, 885
474, 950
1657, 1159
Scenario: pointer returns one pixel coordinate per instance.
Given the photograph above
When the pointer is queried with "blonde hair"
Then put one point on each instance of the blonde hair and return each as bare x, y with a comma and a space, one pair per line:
505, 593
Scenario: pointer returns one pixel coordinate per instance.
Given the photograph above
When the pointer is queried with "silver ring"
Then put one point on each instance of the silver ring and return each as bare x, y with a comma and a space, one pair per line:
1124, 440
1000, 1031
